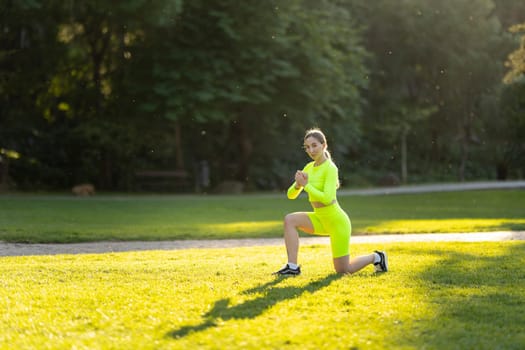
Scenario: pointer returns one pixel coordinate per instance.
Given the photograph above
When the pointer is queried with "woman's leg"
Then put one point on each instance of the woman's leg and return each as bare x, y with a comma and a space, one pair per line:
292, 222
346, 265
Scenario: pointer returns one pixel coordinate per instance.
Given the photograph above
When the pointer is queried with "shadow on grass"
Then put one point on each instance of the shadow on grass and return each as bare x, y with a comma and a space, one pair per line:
222, 311
477, 301
509, 226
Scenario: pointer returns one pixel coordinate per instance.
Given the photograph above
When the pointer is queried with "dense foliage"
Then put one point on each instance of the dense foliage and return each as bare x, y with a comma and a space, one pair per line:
95, 91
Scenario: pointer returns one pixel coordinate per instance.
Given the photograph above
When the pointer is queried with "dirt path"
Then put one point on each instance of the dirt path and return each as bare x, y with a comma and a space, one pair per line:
18, 249
440, 187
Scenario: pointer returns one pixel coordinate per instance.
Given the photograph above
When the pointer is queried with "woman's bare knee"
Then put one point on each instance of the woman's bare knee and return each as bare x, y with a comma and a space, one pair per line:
289, 221
294, 219
341, 265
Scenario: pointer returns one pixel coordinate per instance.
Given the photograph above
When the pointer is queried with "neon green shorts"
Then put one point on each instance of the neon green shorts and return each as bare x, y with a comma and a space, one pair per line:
334, 222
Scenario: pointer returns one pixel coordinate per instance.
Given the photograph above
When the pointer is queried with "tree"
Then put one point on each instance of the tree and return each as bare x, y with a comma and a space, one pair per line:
516, 60
513, 110
241, 73
430, 56
94, 90
28, 56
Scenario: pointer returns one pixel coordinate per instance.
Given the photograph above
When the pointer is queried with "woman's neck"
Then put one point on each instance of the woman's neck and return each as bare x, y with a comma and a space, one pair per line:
320, 161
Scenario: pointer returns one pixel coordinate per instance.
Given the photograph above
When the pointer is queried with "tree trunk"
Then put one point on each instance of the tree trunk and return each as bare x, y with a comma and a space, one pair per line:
464, 160
404, 155
464, 144
467, 134
179, 158
105, 170
99, 47
4, 174
245, 148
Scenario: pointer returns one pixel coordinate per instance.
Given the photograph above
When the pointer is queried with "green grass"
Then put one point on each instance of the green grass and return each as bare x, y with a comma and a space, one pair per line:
68, 219
436, 296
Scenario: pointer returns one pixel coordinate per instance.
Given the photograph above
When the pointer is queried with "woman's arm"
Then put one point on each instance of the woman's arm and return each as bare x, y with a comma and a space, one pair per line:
294, 191
328, 193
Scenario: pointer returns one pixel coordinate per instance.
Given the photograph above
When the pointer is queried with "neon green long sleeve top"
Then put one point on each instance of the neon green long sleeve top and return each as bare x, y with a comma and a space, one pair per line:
322, 184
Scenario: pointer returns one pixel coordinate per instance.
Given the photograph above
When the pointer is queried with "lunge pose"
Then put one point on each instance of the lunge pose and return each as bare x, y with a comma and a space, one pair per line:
320, 180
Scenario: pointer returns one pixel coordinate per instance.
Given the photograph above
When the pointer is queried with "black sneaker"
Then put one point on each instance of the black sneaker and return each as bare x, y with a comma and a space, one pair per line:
382, 265
287, 270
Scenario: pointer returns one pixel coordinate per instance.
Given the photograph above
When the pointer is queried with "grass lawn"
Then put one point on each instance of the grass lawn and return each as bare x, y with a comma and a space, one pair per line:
41, 218
436, 296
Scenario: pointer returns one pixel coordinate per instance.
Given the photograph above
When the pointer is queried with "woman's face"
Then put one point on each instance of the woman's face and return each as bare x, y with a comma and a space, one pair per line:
314, 148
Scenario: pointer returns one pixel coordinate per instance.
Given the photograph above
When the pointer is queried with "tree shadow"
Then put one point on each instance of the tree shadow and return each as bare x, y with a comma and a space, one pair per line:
477, 301
223, 311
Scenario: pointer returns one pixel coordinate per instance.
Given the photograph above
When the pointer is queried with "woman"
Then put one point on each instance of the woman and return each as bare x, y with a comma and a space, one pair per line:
320, 180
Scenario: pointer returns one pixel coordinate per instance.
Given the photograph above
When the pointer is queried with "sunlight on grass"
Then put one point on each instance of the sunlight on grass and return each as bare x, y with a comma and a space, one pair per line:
436, 296
445, 225
63, 219
243, 226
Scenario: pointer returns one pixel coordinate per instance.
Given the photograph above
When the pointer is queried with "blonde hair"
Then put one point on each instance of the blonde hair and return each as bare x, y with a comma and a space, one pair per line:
319, 136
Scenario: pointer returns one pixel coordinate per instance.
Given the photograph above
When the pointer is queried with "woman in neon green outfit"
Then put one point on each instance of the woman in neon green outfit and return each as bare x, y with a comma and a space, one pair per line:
320, 180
